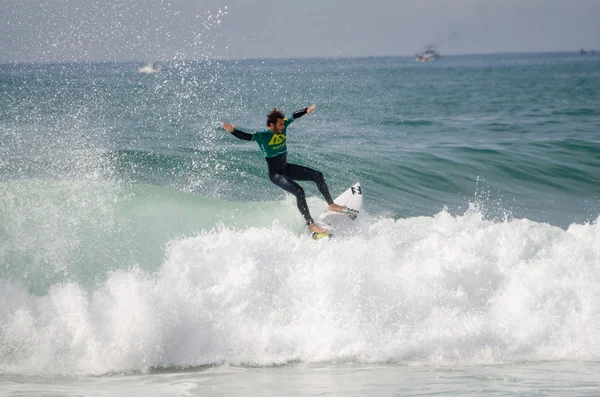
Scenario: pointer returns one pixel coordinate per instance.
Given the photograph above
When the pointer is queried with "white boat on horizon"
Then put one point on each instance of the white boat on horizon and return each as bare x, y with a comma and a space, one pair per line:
428, 55
150, 67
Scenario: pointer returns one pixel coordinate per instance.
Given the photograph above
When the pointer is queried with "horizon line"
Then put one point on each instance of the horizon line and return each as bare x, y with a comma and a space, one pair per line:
233, 59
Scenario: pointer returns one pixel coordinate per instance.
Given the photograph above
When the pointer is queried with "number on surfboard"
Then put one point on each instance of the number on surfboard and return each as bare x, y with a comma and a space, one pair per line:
356, 190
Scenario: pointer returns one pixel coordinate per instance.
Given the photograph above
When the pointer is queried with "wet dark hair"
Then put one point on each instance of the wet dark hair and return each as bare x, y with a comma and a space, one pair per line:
275, 115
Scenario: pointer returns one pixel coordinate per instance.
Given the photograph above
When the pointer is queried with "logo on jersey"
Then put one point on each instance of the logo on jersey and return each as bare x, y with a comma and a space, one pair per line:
277, 139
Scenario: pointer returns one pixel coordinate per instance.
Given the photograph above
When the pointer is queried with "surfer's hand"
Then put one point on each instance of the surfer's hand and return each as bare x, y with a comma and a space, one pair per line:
228, 127
310, 109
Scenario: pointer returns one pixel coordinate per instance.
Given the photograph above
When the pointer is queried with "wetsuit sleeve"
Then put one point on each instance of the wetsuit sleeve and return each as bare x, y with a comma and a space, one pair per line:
242, 135
299, 113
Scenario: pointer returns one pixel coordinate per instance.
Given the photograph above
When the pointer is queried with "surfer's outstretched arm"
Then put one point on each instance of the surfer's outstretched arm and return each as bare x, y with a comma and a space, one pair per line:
237, 133
299, 113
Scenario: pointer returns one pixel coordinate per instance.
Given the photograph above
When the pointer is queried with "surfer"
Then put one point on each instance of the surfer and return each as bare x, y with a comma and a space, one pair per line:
272, 143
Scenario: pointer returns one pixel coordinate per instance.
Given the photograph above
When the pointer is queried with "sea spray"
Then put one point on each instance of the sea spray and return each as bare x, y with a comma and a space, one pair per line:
443, 290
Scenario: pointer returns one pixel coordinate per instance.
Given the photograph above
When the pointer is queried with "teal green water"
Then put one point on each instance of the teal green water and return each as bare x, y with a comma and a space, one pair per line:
516, 132
137, 235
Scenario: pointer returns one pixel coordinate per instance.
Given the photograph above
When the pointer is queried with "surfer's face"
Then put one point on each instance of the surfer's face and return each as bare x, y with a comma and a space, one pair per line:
277, 127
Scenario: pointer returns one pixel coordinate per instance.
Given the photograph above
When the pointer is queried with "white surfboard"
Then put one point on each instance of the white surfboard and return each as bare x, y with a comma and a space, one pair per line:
337, 222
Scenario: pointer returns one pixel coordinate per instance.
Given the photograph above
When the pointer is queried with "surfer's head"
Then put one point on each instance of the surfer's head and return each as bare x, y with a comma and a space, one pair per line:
275, 120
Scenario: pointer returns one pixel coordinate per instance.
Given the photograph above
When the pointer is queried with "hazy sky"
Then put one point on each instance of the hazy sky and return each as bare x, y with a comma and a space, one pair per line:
78, 30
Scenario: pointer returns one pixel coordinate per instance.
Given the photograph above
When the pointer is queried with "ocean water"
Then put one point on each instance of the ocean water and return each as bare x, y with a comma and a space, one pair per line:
144, 250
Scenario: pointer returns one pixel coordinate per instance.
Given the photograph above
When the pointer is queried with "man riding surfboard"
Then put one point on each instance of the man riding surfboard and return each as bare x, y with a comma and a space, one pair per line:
272, 143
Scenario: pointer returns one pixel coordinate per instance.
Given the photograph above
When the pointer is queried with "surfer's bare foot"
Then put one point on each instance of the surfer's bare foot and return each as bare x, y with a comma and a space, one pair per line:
337, 208
314, 228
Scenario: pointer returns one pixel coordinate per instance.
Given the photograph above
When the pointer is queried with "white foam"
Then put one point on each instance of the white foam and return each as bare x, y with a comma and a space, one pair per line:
444, 290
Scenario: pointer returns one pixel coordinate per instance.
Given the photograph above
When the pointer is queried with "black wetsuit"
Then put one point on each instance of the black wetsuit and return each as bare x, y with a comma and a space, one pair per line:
281, 172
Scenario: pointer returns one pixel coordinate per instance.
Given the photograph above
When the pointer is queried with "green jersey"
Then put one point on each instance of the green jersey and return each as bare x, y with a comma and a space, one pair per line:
270, 143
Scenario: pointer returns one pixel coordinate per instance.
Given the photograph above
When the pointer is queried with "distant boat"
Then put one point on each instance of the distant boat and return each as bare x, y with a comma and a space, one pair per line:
584, 52
150, 67
428, 55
